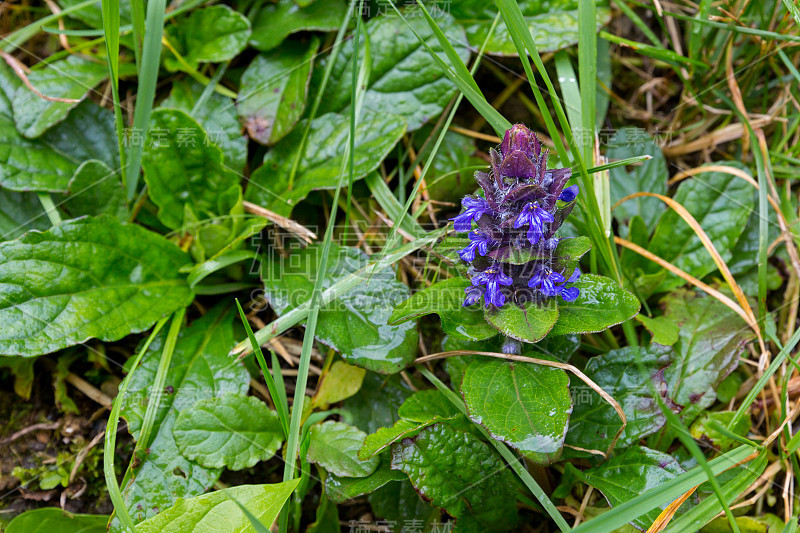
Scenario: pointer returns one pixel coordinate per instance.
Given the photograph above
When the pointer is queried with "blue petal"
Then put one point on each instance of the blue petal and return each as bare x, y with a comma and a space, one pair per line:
570, 293
569, 194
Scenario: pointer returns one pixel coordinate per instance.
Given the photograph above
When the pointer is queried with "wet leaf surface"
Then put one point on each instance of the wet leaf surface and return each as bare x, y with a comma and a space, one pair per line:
355, 324
525, 405
232, 431
87, 278
450, 468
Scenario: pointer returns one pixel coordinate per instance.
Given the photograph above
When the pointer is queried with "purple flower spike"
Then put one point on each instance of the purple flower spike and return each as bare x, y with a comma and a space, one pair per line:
474, 209
473, 295
492, 278
478, 241
535, 218
569, 194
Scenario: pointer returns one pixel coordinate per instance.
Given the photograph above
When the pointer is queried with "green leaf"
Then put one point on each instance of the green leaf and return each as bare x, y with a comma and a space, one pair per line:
377, 403
399, 503
321, 162
721, 204
210, 34
448, 248
377, 442
403, 77
95, 190
632, 472
22, 370
341, 382
706, 429
182, 170
647, 176
594, 421
524, 405
557, 347
200, 369
341, 489
232, 431
664, 330
601, 304
274, 89
87, 278
27, 164
710, 341
334, 446
553, 24
218, 511
277, 20
72, 78
216, 114
528, 324
467, 323
450, 467
20, 212
355, 324
443, 296
48, 519
422, 409
88, 132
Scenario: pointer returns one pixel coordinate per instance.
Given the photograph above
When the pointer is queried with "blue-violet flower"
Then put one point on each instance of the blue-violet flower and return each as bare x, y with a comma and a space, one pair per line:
513, 250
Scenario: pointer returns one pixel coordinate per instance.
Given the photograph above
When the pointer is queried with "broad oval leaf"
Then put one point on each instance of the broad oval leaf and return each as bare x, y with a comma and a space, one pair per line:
233, 431
219, 511
443, 296
594, 422
276, 20
95, 190
553, 24
631, 473
20, 212
525, 405
601, 304
210, 34
721, 203
49, 519
217, 116
88, 278
403, 77
340, 489
274, 89
422, 409
334, 446
72, 78
341, 382
711, 339
354, 324
449, 468
200, 369
529, 323
321, 161
182, 170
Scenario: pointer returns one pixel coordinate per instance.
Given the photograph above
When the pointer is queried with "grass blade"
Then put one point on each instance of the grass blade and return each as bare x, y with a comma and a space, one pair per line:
280, 402
110, 11
110, 443
148, 77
